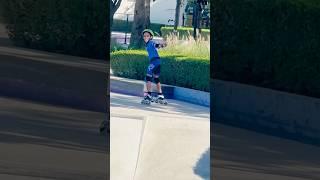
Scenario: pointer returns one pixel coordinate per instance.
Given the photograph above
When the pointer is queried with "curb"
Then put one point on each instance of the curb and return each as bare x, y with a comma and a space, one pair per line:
135, 88
192, 96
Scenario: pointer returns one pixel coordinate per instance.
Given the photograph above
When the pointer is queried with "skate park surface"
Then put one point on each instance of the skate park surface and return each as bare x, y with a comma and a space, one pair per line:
172, 148
157, 141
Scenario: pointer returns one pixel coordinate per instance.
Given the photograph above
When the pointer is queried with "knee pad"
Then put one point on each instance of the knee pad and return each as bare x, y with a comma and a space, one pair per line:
148, 78
156, 80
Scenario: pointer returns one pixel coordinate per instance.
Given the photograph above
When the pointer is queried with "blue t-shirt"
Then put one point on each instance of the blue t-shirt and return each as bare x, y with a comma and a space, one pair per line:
152, 50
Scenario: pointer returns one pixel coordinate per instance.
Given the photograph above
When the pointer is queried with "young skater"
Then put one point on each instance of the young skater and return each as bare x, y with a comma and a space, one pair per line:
153, 70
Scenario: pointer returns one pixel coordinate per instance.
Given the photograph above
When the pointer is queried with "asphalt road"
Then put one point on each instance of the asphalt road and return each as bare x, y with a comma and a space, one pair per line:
40, 141
238, 154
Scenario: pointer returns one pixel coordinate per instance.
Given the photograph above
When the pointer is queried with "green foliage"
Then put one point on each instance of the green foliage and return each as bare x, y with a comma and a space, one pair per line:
114, 46
66, 26
184, 32
176, 69
188, 47
268, 43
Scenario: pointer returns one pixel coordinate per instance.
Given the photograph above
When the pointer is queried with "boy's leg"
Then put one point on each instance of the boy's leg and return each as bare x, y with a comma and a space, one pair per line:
149, 86
159, 88
149, 78
157, 81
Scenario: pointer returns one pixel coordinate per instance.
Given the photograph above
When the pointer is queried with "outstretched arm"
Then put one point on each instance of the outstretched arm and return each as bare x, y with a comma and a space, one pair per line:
159, 45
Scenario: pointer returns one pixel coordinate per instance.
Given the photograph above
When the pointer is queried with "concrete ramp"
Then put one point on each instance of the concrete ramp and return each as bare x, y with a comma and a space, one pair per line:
125, 140
158, 142
172, 149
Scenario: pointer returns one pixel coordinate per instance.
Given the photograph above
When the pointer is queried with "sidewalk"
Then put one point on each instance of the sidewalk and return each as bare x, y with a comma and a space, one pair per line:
158, 142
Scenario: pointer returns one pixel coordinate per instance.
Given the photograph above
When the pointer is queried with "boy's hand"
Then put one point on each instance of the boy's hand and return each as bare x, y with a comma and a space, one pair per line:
160, 46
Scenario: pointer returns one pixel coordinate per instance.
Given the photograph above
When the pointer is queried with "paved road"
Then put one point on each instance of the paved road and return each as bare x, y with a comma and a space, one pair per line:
239, 154
41, 141
173, 141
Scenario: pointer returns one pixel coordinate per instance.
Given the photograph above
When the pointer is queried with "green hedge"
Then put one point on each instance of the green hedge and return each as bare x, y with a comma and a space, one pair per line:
184, 32
268, 43
189, 72
66, 26
122, 26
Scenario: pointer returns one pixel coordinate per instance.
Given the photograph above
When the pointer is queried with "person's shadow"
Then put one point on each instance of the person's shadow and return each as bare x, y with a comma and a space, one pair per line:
202, 167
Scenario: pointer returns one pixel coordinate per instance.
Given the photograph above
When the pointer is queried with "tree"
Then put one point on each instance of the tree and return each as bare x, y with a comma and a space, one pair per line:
147, 14
139, 23
114, 5
177, 17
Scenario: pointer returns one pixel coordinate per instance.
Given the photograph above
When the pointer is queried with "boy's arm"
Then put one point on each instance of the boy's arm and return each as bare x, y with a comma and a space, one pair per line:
158, 45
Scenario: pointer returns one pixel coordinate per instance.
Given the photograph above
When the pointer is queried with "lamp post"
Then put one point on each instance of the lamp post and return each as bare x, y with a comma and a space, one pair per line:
195, 19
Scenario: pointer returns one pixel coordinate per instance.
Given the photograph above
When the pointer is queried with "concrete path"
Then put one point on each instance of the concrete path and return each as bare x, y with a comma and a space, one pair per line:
174, 140
240, 154
39, 141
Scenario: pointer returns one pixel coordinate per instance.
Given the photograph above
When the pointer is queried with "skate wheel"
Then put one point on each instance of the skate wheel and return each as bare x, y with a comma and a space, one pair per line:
145, 102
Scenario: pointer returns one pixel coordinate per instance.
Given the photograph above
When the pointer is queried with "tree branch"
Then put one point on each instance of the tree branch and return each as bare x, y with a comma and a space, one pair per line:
118, 4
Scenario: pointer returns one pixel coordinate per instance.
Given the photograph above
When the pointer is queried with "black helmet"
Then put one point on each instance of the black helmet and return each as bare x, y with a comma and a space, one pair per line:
149, 31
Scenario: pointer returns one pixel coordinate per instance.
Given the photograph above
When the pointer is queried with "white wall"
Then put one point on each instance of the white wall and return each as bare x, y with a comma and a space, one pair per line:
160, 11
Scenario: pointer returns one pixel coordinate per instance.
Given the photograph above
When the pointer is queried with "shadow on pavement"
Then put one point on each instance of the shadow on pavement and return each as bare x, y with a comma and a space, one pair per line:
238, 149
202, 167
177, 107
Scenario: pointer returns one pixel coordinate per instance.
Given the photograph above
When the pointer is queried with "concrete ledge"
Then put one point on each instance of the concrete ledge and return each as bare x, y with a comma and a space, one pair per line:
279, 113
192, 96
135, 88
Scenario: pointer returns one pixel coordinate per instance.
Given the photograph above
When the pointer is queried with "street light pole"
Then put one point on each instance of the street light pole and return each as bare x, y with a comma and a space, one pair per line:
195, 19
125, 38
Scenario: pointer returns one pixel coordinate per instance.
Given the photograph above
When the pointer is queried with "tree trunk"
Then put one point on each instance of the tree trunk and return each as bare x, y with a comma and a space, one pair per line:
114, 5
147, 14
136, 40
177, 17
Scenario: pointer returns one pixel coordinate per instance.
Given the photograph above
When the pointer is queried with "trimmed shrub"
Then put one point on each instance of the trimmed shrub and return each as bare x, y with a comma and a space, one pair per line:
65, 26
269, 43
184, 32
177, 70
